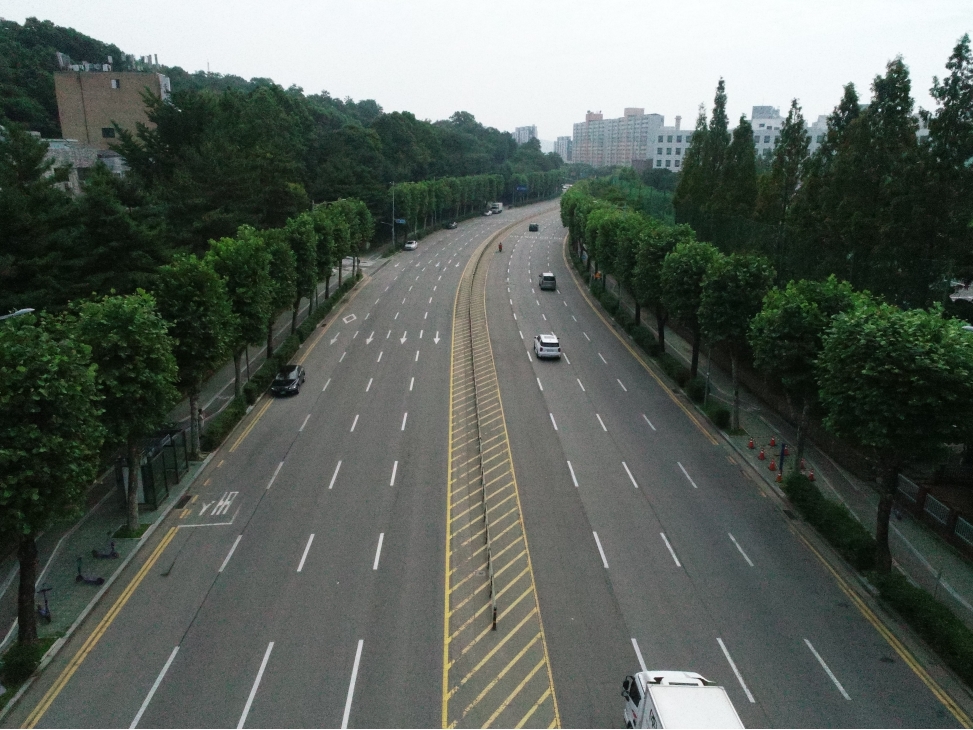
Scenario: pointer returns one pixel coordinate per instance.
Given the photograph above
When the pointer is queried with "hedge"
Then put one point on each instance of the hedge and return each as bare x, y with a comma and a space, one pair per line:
718, 414
219, 426
19, 662
833, 520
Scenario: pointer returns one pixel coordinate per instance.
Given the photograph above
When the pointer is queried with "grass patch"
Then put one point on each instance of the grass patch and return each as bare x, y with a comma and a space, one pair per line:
18, 663
123, 533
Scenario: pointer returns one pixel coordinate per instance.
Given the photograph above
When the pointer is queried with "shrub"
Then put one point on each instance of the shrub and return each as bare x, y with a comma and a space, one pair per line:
19, 662
696, 389
718, 414
835, 523
219, 427
260, 381
287, 349
674, 369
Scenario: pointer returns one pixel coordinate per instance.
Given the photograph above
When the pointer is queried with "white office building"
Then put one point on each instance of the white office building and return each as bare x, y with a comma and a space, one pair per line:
563, 148
523, 135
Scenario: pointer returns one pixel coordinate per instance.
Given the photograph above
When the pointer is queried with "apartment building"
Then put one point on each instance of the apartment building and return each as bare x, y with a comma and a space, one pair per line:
562, 146
602, 142
523, 135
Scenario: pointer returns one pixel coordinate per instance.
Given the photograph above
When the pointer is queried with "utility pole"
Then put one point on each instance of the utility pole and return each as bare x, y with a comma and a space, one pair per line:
393, 213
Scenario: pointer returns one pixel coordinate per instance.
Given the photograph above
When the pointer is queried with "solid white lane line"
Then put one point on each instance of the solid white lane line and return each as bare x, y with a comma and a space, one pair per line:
648, 422
395, 468
369, 384
745, 556
351, 686
411, 383
380, 352
276, 472
389, 334
586, 336
671, 551
342, 356
604, 560
417, 356
326, 385
539, 384
553, 421
521, 334
574, 318
622, 384
638, 653
827, 669
307, 549
404, 417
335, 475
687, 475
573, 477
736, 671
355, 422
582, 387
155, 686
230, 554
256, 683
378, 550
634, 483
566, 358
602, 358
603, 427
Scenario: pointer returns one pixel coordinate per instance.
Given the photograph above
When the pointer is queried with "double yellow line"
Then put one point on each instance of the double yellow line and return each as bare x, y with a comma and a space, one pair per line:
34, 717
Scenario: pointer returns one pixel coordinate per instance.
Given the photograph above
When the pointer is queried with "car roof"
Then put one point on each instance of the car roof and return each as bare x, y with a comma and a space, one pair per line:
548, 338
547, 273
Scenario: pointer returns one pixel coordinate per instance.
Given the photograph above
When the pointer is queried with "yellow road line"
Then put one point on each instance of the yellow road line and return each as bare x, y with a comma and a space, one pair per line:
253, 422
643, 363
503, 673
34, 717
897, 645
525, 718
516, 691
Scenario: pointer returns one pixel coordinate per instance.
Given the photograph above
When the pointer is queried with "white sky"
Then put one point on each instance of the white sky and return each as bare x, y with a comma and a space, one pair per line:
542, 62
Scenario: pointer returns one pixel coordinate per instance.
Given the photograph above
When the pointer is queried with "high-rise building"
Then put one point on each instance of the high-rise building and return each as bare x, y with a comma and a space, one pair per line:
604, 142
562, 146
523, 135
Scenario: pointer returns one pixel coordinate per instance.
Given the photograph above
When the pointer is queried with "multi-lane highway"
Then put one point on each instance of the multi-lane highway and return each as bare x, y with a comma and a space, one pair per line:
303, 585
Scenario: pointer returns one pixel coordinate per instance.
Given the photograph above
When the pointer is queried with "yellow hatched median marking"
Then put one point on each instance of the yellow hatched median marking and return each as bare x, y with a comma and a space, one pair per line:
96, 635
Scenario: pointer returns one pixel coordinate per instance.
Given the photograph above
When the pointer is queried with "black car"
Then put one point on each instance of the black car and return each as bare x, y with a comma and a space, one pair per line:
288, 380
533, 227
451, 225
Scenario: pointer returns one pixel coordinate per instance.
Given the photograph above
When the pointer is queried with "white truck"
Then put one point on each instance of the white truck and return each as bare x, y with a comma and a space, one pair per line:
670, 699
496, 208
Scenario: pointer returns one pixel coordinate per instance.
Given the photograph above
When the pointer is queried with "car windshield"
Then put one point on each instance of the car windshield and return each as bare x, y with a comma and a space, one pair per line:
285, 376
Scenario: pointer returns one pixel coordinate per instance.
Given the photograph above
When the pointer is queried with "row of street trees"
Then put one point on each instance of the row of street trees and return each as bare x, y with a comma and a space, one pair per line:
895, 383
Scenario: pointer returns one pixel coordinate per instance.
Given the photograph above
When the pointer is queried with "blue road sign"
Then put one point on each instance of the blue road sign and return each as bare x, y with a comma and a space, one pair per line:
400, 221
521, 188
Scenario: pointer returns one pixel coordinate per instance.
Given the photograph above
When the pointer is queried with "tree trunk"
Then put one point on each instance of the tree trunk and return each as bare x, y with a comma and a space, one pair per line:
270, 338
134, 480
237, 374
694, 365
802, 432
638, 314
660, 322
327, 286
195, 422
26, 609
735, 421
297, 306
340, 262
883, 556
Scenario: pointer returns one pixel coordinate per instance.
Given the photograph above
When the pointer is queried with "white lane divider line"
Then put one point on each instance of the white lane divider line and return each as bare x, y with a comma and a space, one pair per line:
412, 383
511, 302
544, 317
529, 358
367, 387
356, 334
417, 356
539, 385
155, 686
306, 419
573, 477
564, 355
686, 473
430, 298
648, 422
256, 683
603, 427
745, 556
634, 483
230, 554
827, 669
602, 358
638, 653
404, 417
396, 315
395, 468
388, 335
582, 387
521, 334
326, 385
378, 550
426, 316
380, 353
553, 421
355, 422
276, 472
736, 671
335, 475
604, 560
586, 336
671, 551
307, 549
342, 356
622, 384
515, 316
351, 686
420, 333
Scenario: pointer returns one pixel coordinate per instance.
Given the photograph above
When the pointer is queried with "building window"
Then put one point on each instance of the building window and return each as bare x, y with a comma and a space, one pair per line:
668, 163
658, 163
679, 138
669, 139
658, 150
677, 163
761, 126
668, 150
678, 150
116, 83
820, 138
756, 139
775, 139
660, 137
108, 132
766, 139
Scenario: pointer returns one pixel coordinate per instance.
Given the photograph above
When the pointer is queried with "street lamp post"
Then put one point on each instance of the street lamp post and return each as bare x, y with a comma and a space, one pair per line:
393, 213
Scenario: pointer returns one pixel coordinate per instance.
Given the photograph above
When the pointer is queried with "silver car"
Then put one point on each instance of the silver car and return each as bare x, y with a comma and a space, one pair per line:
547, 346
547, 281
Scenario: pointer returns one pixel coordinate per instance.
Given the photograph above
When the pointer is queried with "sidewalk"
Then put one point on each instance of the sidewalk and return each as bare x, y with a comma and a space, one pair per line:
917, 551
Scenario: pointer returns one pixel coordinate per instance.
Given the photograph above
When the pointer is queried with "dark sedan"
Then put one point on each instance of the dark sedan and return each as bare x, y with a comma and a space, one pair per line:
288, 381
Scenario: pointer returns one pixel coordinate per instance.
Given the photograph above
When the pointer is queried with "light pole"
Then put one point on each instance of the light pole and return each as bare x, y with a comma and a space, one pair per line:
17, 313
393, 213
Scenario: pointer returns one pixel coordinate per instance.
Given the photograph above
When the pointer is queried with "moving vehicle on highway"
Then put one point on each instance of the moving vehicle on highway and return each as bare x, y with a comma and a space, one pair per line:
450, 226
533, 227
547, 346
676, 699
288, 380
547, 280
411, 245
488, 212
496, 208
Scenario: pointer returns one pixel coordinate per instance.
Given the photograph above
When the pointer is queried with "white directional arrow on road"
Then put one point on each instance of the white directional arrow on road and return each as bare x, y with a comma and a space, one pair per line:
436, 338
370, 338
402, 341
335, 338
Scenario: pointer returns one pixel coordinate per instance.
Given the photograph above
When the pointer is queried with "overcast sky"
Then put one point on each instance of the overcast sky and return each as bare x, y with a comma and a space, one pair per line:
546, 63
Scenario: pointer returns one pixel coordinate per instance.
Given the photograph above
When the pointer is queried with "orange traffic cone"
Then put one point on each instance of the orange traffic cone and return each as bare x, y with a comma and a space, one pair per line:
761, 455
773, 440
779, 478
810, 476
787, 451
773, 465
751, 444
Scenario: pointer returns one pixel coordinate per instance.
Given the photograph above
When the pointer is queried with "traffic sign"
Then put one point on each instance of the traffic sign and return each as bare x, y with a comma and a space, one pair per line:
400, 221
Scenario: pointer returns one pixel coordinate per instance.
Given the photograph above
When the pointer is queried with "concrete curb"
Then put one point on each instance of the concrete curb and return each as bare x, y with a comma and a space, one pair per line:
51, 653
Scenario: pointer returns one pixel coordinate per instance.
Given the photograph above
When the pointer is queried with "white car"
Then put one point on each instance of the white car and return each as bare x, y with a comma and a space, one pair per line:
488, 212
411, 245
547, 346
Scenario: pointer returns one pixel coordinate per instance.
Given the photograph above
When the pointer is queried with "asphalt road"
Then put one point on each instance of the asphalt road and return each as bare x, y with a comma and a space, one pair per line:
648, 538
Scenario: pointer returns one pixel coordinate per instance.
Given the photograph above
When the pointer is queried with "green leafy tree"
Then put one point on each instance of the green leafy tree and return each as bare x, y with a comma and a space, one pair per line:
692, 188
647, 287
714, 151
325, 254
283, 278
786, 339
50, 438
683, 271
192, 298
136, 375
737, 195
244, 264
303, 240
733, 291
897, 384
